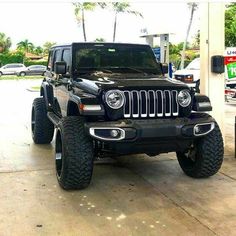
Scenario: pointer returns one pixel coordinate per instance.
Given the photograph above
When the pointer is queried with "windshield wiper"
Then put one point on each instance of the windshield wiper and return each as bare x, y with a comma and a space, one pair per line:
134, 69
105, 70
94, 71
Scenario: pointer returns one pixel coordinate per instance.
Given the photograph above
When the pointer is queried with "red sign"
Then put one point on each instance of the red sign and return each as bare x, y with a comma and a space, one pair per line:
230, 63
230, 59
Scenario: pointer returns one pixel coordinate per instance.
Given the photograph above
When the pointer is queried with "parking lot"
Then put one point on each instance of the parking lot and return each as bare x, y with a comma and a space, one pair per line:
134, 195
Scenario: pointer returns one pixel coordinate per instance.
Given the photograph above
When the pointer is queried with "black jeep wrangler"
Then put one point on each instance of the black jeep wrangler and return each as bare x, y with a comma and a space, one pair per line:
113, 99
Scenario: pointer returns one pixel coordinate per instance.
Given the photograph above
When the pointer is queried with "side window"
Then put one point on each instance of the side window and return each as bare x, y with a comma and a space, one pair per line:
56, 57
66, 58
49, 66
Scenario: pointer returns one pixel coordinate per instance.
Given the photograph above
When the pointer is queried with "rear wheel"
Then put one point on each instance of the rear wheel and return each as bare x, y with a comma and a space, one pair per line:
42, 128
205, 156
73, 154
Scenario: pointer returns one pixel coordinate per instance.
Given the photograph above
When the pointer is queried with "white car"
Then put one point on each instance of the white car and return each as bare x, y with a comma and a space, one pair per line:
12, 69
191, 74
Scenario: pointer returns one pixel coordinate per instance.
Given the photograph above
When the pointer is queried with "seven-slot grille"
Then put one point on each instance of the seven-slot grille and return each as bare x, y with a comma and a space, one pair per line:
150, 103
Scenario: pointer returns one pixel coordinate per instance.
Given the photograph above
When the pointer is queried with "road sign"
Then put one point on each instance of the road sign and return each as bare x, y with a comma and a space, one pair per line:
157, 52
230, 63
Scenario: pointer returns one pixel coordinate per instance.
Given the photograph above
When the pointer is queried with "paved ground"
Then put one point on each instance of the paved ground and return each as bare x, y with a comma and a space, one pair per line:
136, 195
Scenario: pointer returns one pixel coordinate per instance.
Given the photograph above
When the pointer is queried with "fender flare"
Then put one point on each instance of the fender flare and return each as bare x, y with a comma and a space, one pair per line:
46, 91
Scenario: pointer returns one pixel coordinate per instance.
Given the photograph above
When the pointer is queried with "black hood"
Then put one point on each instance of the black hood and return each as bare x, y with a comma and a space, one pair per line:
97, 84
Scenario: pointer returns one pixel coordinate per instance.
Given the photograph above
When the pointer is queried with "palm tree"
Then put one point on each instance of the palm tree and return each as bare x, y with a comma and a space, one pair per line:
5, 42
121, 7
193, 6
38, 50
80, 8
25, 46
46, 47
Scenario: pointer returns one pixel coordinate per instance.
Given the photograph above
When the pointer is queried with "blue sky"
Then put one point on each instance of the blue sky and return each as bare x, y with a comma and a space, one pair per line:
41, 21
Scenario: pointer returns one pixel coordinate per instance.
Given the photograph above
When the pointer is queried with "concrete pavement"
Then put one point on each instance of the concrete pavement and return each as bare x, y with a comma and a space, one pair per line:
135, 195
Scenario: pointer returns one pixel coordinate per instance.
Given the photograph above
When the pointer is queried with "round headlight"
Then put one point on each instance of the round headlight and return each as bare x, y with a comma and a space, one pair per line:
114, 99
184, 98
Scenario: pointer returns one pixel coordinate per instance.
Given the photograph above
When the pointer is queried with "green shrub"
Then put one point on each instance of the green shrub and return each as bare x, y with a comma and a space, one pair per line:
11, 57
31, 62
18, 57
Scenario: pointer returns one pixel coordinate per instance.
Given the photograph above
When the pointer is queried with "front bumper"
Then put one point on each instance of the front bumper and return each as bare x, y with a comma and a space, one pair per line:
151, 129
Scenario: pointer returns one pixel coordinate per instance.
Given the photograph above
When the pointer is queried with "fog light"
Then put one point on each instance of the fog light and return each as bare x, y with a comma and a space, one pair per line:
197, 130
114, 133
107, 133
203, 129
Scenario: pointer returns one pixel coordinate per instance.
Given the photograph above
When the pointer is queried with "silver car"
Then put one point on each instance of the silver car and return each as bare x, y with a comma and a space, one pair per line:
32, 70
12, 69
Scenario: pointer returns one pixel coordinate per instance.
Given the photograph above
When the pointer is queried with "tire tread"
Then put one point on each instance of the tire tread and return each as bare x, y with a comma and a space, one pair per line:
78, 151
44, 128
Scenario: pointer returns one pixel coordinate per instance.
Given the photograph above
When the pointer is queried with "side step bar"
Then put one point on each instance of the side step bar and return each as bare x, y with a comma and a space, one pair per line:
54, 118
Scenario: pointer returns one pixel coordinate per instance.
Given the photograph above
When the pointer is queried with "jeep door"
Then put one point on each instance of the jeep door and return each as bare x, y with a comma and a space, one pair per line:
62, 81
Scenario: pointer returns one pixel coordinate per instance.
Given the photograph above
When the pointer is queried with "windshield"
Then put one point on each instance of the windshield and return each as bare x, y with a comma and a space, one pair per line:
115, 58
194, 65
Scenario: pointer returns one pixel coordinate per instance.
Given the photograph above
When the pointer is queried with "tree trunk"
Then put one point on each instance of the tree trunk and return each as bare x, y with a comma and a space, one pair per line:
83, 24
114, 29
186, 39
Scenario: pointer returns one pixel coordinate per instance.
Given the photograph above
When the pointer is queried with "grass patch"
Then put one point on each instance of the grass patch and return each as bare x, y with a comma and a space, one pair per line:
35, 88
15, 77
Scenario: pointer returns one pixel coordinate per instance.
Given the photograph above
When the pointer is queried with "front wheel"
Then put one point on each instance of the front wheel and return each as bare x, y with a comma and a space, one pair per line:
204, 157
73, 154
22, 73
42, 128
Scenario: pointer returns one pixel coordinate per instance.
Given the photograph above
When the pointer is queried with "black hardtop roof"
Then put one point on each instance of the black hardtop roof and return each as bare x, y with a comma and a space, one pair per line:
98, 43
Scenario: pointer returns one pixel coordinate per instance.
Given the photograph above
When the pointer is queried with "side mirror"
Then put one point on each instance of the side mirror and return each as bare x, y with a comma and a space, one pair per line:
60, 67
164, 68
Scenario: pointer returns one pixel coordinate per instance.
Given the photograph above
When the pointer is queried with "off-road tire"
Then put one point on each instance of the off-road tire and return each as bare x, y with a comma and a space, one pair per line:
208, 152
42, 128
74, 154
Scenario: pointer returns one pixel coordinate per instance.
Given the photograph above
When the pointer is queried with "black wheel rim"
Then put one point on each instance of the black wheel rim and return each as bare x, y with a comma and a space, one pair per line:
58, 154
191, 154
189, 158
32, 120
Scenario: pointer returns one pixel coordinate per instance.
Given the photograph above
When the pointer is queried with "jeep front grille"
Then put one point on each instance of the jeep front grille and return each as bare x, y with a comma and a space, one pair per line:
151, 103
